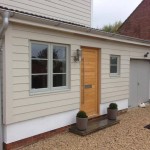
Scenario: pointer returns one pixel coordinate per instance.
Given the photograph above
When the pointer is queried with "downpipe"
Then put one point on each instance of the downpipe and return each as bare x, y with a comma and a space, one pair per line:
5, 22
3, 27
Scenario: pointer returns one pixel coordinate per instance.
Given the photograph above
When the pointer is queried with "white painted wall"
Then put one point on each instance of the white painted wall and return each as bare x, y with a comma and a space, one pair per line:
25, 129
122, 104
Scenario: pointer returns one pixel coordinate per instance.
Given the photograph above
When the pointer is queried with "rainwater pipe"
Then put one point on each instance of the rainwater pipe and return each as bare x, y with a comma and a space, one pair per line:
5, 22
3, 27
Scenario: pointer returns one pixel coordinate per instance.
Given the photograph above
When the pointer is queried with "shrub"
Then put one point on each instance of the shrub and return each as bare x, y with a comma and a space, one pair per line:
113, 106
81, 114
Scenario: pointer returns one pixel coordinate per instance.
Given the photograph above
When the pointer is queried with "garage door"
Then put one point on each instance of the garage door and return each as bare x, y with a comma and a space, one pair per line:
139, 82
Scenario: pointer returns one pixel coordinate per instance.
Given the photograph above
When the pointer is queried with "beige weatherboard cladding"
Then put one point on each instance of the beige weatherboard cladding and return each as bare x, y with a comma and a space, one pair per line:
21, 105
76, 11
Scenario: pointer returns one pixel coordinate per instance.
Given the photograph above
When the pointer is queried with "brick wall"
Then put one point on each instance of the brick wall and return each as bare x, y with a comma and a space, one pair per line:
138, 23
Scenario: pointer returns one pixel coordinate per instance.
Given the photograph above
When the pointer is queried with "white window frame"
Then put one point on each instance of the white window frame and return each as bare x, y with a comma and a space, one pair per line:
118, 65
50, 87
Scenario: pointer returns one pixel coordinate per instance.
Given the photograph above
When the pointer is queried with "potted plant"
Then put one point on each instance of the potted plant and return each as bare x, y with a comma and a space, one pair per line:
81, 120
112, 111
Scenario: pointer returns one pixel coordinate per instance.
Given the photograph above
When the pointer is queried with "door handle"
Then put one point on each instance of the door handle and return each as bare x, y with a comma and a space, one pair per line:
138, 83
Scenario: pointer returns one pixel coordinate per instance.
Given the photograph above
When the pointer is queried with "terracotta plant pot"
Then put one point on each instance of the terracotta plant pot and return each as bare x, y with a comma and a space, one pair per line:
81, 123
112, 114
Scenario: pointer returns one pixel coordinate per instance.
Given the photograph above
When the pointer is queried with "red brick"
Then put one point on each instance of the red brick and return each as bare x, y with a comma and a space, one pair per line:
138, 23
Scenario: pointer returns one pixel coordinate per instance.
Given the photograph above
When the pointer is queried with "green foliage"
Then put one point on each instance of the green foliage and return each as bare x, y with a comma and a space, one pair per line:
113, 106
81, 114
113, 28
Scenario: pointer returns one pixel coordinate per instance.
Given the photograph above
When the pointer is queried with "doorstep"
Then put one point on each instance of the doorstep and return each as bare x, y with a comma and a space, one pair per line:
93, 126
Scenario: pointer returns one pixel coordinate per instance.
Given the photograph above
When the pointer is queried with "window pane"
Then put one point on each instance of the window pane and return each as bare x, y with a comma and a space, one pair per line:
59, 52
113, 69
113, 60
39, 81
59, 66
39, 50
39, 66
59, 80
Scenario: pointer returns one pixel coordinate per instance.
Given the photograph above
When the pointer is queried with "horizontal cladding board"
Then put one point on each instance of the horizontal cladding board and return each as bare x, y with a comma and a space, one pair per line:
115, 51
115, 80
107, 62
107, 71
27, 116
20, 72
75, 65
26, 94
54, 10
21, 57
43, 106
21, 80
20, 49
113, 94
25, 87
25, 80
20, 42
21, 87
75, 71
138, 54
123, 66
108, 76
21, 65
45, 12
107, 56
114, 89
114, 98
75, 77
114, 84
45, 98
75, 3
51, 7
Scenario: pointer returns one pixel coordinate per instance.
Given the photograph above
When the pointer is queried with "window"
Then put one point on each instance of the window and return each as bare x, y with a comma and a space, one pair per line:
114, 65
59, 66
49, 66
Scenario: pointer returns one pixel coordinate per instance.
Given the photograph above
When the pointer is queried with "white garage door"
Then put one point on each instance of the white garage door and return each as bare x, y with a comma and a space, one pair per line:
139, 82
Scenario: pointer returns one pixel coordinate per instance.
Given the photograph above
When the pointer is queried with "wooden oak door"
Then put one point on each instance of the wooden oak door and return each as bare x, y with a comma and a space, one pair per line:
89, 81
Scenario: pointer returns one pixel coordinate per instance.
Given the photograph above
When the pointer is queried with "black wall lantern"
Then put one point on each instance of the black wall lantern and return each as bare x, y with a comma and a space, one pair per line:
77, 56
146, 55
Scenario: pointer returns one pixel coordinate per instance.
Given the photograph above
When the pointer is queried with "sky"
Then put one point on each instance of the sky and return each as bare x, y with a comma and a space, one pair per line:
109, 11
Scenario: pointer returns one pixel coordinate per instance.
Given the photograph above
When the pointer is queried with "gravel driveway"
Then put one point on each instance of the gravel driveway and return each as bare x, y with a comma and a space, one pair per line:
130, 134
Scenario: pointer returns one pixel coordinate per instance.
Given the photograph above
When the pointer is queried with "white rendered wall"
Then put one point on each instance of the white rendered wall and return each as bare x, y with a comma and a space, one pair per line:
122, 104
25, 129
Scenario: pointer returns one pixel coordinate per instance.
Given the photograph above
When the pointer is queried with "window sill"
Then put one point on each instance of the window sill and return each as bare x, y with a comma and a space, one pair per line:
114, 75
36, 93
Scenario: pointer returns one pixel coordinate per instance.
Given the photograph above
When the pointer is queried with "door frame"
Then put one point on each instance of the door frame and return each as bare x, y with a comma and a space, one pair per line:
98, 79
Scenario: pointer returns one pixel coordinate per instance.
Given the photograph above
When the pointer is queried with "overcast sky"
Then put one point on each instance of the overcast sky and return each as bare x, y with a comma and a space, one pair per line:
109, 11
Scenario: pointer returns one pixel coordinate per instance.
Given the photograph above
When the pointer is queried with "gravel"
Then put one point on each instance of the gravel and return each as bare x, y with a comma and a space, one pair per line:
130, 134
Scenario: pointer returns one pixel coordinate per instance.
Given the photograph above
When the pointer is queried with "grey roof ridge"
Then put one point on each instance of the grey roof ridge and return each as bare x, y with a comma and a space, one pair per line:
88, 29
